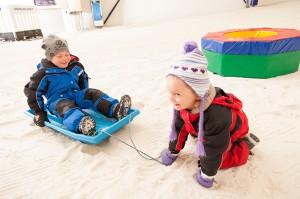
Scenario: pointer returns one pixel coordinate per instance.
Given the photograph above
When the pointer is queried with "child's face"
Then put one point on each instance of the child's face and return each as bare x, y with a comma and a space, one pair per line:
61, 59
181, 95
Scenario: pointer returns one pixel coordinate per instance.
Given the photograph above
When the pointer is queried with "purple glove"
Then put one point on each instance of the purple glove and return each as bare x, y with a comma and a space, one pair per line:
204, 180
167, 157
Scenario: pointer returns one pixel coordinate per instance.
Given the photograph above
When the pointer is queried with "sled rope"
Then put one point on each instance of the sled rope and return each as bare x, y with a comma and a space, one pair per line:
133, 146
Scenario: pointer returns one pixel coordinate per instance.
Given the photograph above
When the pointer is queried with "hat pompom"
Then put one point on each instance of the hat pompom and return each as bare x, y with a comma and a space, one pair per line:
47, 39
190, 46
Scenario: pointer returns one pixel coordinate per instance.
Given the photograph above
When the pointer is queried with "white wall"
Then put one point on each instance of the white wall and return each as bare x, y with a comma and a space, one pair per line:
65, 16
17, 2
80, 15
150, 11
130, 12
60, 3
51, 20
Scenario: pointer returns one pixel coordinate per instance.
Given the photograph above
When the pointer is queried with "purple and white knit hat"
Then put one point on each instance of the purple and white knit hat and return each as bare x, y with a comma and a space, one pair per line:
191, 67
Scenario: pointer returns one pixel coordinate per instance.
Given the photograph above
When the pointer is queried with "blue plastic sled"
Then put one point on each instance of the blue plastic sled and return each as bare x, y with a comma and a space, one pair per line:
105, 126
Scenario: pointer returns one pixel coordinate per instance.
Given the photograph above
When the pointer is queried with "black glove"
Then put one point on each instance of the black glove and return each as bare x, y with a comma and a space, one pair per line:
40, 118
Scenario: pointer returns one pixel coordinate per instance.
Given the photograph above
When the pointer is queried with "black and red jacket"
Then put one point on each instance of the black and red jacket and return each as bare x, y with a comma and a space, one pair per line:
224, 124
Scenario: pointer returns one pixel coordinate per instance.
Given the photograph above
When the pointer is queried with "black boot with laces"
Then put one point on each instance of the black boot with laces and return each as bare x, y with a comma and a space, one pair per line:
87, 126
251, 140
122, 108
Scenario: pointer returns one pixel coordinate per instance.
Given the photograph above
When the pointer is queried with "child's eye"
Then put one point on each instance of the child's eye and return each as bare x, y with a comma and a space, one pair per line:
177, 94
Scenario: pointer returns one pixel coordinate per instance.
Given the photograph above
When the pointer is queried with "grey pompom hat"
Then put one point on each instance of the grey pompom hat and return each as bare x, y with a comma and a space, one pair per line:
53, 44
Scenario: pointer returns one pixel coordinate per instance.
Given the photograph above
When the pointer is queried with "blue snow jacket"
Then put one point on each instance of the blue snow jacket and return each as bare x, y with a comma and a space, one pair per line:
54, 83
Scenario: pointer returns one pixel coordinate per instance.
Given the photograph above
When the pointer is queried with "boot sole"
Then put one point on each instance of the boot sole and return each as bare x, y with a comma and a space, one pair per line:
87, 126
125, 105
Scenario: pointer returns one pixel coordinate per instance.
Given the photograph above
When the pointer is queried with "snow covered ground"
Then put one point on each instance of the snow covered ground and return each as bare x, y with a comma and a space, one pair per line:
39, 163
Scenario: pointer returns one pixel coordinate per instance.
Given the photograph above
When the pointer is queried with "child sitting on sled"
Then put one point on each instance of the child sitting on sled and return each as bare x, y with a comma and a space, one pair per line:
62, 80
213, 116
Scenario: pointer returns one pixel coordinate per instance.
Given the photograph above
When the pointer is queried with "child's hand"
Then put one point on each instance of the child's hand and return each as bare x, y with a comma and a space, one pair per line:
40, 118
167, 157
204, 180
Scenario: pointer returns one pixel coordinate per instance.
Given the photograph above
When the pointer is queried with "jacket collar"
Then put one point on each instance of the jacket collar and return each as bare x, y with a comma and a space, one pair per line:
210, 97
